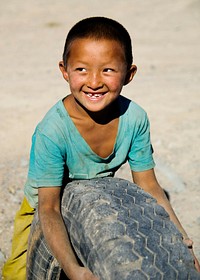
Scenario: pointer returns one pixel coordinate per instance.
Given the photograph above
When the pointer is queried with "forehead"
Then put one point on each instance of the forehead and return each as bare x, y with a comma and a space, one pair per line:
96, 48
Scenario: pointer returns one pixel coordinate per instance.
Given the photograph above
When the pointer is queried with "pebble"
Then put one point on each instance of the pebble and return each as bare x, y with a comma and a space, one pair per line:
11, 190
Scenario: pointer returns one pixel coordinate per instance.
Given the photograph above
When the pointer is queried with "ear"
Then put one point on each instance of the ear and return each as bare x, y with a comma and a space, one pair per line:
130, 74
63, 70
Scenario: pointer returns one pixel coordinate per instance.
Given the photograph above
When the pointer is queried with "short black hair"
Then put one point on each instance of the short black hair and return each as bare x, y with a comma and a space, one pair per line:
100, 28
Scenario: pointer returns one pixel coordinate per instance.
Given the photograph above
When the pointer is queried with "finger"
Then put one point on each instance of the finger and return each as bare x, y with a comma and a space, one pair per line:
197, 265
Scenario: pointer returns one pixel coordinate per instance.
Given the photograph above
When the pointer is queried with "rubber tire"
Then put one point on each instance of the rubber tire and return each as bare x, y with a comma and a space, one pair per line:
118, 231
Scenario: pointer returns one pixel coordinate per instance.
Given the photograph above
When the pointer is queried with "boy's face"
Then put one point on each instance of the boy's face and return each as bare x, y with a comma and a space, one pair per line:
96, 71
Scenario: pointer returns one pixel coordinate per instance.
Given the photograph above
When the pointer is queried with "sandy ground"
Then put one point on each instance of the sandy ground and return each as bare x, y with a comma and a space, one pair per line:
166, 42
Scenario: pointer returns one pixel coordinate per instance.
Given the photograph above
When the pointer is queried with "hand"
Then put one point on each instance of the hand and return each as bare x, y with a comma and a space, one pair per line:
196, 262
83, 273
189, 244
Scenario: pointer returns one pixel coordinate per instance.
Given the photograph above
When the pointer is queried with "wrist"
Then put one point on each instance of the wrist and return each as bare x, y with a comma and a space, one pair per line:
71, 270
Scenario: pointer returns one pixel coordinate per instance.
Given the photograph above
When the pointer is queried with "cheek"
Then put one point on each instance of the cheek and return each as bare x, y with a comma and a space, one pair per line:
116, 84
75, 82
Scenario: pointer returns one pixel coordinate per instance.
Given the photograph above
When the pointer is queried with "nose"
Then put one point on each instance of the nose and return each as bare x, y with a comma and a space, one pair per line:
94, 81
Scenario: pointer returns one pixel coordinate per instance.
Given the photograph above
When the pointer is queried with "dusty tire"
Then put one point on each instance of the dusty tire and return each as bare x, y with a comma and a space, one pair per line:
118, 231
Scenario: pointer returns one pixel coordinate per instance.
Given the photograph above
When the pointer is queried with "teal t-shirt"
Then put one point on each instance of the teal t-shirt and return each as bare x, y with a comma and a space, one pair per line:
59, 151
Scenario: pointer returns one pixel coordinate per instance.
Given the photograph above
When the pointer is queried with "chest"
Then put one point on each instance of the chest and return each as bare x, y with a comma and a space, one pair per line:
100, 137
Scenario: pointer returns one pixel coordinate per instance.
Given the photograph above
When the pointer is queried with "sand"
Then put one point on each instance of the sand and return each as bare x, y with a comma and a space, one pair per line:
166, 43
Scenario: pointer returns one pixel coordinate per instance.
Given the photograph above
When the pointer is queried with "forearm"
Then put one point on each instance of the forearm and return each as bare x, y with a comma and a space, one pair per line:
57, 238
147, 181
161, 198
159, 195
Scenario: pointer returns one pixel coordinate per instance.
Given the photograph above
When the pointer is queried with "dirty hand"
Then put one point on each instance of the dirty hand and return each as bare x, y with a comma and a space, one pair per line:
196, 262
189, 244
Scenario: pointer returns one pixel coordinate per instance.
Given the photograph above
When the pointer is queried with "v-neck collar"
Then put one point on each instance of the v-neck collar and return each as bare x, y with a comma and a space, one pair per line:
83, 142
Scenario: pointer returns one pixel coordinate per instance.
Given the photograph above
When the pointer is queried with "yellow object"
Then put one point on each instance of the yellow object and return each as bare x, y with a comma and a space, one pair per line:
15, 267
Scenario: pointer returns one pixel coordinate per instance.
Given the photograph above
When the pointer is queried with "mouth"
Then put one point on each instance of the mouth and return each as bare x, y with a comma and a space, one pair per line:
94, 96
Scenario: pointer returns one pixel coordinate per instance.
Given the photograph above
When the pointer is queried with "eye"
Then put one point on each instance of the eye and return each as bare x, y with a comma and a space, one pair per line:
81, 69
108, 70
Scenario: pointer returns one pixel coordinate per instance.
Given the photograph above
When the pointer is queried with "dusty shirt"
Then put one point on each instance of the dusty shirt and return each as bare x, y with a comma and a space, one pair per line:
59, 151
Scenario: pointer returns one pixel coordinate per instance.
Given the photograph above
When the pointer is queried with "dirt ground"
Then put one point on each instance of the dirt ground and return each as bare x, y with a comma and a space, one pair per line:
166, 44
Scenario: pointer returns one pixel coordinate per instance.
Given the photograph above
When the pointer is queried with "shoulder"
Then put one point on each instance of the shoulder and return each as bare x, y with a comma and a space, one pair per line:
132, 110
54, 123
54, 118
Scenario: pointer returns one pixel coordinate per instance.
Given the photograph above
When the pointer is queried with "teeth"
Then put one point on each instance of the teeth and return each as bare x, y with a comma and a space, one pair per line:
98, 95
94, 95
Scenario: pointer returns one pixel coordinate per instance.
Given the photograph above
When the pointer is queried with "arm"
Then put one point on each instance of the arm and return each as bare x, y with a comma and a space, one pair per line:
56, 235
147, 181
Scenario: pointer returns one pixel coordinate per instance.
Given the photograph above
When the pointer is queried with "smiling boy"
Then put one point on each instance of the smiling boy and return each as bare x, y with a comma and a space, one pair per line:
88, 134
96, 72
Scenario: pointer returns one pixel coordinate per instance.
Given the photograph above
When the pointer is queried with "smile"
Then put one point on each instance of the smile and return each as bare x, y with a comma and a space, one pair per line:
94, 96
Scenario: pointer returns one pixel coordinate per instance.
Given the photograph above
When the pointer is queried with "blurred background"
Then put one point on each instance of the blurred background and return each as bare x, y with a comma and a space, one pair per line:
166, 45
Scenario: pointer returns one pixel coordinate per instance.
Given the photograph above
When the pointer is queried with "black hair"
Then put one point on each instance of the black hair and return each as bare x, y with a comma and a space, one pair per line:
100, 28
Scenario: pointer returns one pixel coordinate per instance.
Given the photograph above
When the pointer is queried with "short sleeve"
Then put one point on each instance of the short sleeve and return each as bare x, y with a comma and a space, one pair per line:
46, 161
140, 156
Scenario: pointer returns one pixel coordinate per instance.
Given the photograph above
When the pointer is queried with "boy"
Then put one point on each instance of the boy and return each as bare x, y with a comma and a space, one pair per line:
90, 133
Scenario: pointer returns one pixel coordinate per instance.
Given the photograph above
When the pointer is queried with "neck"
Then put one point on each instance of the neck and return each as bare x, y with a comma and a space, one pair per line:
104, 116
